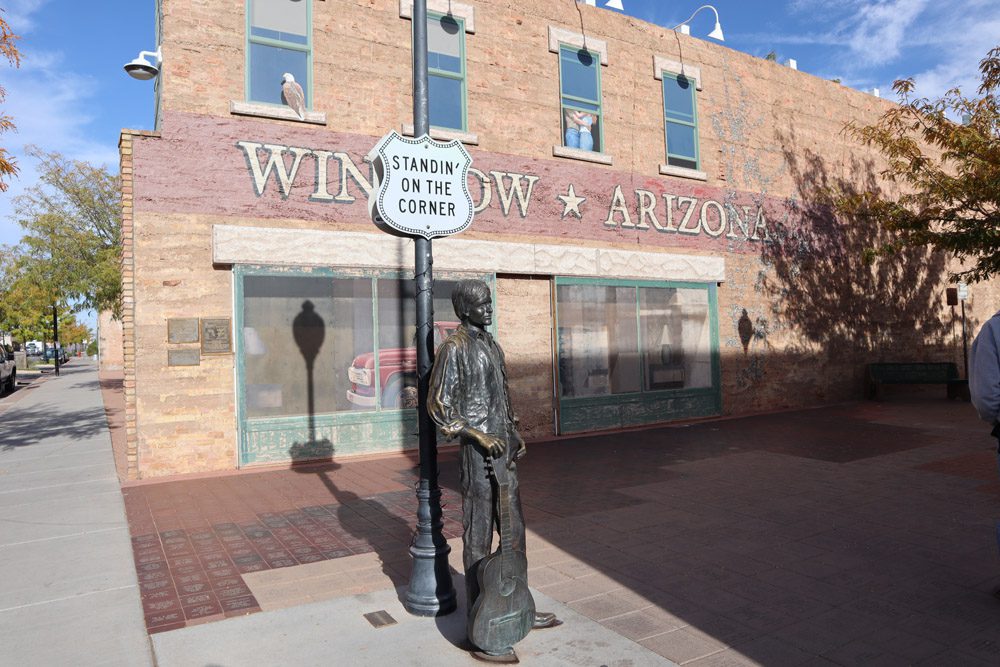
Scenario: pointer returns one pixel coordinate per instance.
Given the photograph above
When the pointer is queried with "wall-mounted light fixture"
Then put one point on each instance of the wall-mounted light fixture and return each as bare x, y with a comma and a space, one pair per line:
142, 69
716, 32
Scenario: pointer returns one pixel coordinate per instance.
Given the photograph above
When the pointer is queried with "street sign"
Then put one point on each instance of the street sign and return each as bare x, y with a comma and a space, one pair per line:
420, 186
963, 292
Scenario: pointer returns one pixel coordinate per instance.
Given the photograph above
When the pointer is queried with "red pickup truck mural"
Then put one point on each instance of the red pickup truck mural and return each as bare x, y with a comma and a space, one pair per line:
397, 373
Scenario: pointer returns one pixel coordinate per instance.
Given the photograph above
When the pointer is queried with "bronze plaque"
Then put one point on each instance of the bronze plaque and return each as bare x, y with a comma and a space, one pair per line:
215, 336
182, 330
186, 357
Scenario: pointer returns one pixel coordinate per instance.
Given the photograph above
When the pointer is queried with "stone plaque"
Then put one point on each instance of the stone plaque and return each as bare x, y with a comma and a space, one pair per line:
185, 357
182, 330
215, 336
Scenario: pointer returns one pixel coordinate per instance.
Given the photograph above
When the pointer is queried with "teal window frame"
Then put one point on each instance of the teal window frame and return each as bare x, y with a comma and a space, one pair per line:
645, 406
281, 44
459, 76
563, 97
667, 119
262, 440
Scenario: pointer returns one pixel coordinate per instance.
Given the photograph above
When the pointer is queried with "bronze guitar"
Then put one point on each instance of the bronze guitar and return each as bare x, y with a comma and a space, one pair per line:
504, 611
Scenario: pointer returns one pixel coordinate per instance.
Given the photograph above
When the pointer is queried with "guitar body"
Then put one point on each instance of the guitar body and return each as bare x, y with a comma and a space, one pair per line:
504, 612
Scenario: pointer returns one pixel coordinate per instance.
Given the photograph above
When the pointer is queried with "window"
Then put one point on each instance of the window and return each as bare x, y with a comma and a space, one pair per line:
446, 71
279, 40
680, 121
635, 352
326, 360
580, 91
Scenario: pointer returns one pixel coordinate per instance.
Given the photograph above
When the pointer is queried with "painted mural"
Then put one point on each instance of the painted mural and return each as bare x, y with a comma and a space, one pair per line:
299, 177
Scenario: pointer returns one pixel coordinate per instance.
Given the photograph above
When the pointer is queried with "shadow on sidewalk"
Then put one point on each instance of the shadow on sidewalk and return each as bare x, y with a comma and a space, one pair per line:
28, 426
366, 519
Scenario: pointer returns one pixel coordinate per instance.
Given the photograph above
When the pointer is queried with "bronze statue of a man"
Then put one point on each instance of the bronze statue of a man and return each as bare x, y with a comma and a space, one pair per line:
468, 399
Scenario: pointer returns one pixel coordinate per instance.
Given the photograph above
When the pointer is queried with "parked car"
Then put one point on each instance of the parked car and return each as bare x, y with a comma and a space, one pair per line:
397, 370
50, 355
8, 370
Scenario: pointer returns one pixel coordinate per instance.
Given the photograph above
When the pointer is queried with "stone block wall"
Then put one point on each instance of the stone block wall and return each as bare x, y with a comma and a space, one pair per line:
111, 343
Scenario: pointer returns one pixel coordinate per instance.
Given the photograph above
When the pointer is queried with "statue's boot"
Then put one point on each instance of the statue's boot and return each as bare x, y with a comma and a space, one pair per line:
544, 619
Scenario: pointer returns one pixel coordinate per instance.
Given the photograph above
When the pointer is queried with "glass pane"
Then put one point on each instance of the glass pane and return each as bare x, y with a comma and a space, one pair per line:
397, 320
681, 162
570, 105
444, 97
579, 74
680, 140
444, 43
287, 20
675, 333
598, 340
573, 123
678, 98
267, 64
300, 334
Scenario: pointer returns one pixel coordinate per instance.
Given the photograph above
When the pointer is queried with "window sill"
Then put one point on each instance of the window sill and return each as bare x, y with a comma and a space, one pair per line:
683, 172
274, 111
441, 134
577, 154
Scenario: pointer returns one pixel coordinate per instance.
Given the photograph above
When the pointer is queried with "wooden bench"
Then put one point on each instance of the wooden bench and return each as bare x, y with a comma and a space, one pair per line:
944, 372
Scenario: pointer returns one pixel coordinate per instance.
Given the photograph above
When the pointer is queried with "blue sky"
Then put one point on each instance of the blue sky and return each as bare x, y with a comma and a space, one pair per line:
71, 95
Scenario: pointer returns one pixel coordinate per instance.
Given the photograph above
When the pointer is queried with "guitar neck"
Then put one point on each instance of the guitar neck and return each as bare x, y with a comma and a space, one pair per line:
503, 508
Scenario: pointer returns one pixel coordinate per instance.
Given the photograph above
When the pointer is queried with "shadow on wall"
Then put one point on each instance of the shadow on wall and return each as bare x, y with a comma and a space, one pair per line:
822, 284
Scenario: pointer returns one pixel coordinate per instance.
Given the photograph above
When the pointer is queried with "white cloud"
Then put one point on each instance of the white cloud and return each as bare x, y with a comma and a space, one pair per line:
883, 41
882, 28
20, 14
49, 104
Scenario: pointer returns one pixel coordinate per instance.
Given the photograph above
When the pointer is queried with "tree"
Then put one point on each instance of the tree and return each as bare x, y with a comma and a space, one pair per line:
948, 173
72, 217
8, 49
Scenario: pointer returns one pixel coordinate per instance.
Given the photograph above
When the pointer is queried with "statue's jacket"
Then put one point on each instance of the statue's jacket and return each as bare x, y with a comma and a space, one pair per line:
468, 386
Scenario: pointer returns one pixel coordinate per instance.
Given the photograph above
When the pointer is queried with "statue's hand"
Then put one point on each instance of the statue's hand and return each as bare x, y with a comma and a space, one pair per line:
522, 448
493, 445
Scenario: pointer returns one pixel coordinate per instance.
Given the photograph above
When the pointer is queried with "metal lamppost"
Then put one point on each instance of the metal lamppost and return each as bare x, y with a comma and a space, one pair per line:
430, 592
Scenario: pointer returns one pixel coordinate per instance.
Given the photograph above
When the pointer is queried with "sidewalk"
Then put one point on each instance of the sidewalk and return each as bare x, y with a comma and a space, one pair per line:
855, 535
68, 590
859, 534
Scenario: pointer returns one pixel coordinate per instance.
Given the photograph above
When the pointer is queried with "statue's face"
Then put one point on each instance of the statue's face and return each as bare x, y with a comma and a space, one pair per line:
481, 314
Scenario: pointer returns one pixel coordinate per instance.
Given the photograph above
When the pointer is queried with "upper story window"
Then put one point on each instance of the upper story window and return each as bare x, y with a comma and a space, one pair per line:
580, 91
279, 40
446, 71
680, 111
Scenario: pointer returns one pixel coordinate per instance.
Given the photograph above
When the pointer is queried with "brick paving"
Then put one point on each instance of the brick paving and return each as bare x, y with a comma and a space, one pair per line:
852, 534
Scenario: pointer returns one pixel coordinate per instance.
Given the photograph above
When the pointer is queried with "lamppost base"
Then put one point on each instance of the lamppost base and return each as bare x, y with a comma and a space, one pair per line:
431, 592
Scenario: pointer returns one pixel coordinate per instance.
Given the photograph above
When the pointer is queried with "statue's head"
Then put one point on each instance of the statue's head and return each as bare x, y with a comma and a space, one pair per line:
467, 295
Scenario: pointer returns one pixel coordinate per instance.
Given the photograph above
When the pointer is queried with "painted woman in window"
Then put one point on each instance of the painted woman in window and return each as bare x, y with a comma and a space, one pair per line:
578, 134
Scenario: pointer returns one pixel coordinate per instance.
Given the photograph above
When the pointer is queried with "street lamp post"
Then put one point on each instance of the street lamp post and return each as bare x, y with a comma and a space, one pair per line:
430, 592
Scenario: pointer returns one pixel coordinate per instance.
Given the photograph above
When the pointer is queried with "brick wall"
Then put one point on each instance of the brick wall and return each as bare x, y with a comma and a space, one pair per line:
798, 316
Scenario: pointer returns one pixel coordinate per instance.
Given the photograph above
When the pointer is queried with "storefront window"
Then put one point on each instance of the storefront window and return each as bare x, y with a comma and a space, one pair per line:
308, 343
397, 335
622, 339
300, 334
598, 340
676, 342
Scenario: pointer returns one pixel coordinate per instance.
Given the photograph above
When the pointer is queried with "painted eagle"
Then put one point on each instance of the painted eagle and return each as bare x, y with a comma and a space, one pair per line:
291, 93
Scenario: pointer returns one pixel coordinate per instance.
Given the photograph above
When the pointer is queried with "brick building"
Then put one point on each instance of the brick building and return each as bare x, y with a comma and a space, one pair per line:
648, 213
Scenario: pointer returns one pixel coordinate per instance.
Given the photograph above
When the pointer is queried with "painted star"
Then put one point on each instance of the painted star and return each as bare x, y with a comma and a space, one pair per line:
571, 203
